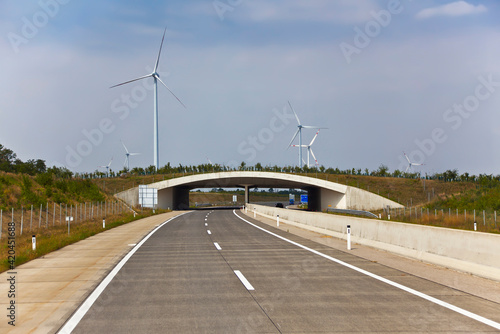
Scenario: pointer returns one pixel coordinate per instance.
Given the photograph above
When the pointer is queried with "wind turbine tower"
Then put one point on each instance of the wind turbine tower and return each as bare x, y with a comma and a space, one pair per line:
156, 78
299, 132
309, 150
127, 157
107, 166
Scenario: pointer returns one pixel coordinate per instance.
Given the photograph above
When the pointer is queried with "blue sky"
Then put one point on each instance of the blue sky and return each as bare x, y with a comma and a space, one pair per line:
384, 76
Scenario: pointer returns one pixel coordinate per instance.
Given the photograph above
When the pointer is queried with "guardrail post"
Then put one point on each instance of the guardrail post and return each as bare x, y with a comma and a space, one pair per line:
348, 237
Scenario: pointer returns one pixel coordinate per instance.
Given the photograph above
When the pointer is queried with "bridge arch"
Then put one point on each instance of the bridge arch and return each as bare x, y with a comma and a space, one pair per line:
174, 193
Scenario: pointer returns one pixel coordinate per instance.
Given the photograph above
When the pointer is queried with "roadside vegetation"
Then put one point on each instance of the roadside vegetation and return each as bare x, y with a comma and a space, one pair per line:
42, 194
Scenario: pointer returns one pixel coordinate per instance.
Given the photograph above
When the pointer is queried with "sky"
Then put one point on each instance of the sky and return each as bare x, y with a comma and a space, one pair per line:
384, 77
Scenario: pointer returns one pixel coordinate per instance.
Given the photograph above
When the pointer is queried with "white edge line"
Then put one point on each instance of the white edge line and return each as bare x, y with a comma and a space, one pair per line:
217, 246
243, 280
87, 304
385, 280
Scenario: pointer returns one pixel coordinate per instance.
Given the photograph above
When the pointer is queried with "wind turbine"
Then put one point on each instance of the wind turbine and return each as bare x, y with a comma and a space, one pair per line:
156, 78
107, 166
299, 132
309, 150
127, 156
410, 164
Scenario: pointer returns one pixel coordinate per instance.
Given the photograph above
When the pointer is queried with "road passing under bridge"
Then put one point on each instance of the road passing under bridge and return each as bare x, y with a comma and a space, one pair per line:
222, 272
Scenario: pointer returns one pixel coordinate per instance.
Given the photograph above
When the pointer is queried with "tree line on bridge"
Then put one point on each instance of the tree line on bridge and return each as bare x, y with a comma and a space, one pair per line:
11, 164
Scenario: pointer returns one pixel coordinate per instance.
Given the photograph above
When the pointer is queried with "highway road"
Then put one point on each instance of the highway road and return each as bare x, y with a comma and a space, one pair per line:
218, 273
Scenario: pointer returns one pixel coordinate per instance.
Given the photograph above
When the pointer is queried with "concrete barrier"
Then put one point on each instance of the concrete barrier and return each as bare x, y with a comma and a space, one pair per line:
472, 252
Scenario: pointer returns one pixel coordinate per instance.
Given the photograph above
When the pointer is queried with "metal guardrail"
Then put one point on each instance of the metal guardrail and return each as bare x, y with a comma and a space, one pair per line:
354, 212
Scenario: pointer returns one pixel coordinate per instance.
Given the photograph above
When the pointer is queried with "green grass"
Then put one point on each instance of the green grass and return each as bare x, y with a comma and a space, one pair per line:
56, 237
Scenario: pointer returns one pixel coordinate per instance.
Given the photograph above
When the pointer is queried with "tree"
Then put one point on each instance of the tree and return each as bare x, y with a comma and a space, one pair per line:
7, 159
382, 170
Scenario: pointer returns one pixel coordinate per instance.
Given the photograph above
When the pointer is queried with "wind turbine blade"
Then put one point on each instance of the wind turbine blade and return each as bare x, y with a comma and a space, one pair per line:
297, 117
159, 52
157, 77
312, 127
406, 171
126, 82
414, 164
314, 138
125, 162
295, 135
133, 153
124, 146
110, 162
312, 153
407, 158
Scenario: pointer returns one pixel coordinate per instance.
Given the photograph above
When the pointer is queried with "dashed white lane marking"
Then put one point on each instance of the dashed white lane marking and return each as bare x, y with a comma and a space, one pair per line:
217, 246
208, 231
206, 224
243, 280
385, 280
87, 304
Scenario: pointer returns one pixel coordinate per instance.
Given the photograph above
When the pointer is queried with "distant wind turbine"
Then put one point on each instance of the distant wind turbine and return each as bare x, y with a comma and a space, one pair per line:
156, 78
127, 156
410, 164
107, 166
299, 132
309, 150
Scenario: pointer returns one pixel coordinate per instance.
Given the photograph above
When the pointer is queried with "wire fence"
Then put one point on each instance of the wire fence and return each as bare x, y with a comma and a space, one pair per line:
476, 220
33, 219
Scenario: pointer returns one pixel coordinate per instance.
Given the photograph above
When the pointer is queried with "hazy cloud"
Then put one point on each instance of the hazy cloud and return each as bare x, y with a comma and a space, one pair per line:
457, 8
342, 11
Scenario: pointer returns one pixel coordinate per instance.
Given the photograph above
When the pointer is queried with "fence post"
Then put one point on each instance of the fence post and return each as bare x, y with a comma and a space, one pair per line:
484, 218
40, 216
1, 222
22, 219
47, 216
54, 215
31, 218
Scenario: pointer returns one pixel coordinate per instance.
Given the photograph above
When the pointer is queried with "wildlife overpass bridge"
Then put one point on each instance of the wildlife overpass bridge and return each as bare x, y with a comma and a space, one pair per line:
322, 194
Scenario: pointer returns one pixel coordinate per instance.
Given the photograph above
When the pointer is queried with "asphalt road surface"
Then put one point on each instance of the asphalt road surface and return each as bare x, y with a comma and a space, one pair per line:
213, 272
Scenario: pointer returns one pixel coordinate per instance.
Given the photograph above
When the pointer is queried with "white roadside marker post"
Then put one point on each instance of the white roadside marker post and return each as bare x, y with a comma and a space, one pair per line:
278, 220
104, 223
33, 242
348, 237
254, 214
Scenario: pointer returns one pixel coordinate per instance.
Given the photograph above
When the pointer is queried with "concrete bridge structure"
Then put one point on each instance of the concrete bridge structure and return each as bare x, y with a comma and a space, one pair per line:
174, 193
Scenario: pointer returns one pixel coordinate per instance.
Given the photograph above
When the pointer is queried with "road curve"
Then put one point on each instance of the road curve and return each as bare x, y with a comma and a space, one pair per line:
215, 272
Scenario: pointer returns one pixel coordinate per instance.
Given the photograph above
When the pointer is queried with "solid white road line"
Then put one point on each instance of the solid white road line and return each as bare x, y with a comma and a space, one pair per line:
217, 246
87, 304
208, 231
385, 280
243, 280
